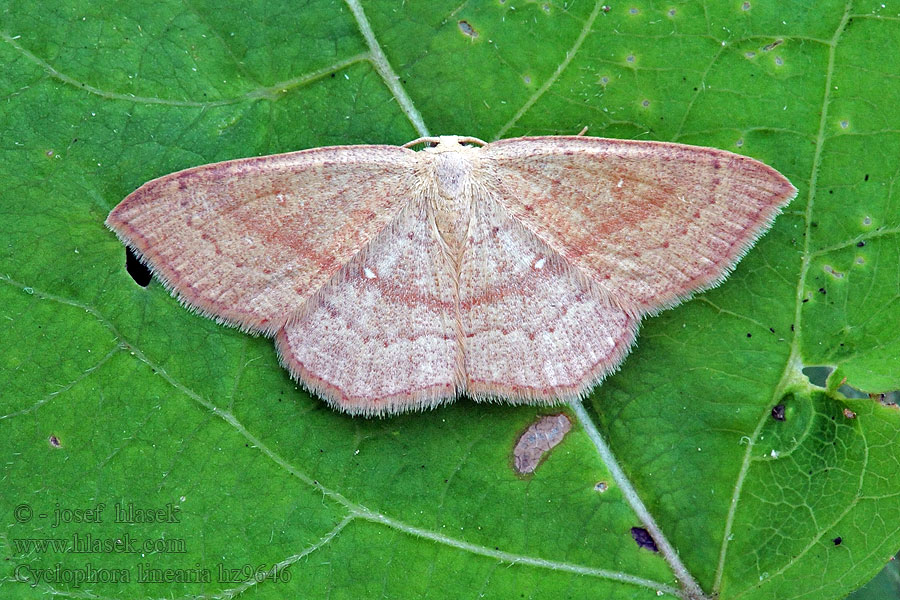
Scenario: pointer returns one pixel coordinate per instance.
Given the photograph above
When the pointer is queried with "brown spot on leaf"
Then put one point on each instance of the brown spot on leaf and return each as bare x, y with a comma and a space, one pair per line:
849, 413
54, 441
540, 437
467, 29
830, 270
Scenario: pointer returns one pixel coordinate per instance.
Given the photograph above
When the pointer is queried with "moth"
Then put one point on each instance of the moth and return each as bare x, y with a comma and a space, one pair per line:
396, 280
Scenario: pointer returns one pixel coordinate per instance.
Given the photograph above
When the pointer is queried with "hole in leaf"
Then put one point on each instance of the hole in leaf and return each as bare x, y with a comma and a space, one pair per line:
817, 375
891, 399
643, 539
138, 271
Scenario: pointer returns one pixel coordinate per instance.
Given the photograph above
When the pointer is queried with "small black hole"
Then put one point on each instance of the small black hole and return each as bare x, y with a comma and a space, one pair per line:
138, 271
643, 539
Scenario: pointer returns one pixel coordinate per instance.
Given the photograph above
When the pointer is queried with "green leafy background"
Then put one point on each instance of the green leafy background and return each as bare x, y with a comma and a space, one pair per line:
112, 393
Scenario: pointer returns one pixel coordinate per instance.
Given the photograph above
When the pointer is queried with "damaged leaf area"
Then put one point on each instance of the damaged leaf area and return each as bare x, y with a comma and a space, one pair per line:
713, 443
536, 441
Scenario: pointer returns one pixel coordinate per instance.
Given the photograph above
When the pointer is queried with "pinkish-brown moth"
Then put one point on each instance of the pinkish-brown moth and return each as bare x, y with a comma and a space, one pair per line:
394, 280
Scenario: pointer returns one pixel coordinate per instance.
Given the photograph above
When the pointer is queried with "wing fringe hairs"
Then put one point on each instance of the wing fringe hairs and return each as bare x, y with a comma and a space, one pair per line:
396, 280
420, 403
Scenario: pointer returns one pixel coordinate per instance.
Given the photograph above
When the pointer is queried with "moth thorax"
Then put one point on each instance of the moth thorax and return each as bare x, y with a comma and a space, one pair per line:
453, 187
452, 175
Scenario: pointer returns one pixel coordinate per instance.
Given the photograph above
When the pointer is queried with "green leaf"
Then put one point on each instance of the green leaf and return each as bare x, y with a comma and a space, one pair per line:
115, 395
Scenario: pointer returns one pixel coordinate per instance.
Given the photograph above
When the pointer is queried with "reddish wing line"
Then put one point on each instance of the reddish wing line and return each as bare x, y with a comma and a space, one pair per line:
535, 329
251, 250
382, 336
651, 222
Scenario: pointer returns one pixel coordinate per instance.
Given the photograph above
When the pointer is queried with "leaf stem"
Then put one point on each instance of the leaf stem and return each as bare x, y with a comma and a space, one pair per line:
792, 377
691, 589
380, 61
